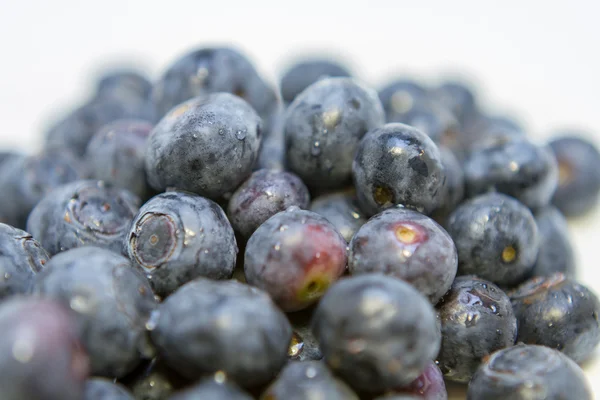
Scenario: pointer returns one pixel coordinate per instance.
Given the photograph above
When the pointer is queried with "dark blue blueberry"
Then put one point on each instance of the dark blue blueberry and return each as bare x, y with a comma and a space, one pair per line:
556, 253
514, 166
303, 74
453, 191
428, 386
83, 213
295, 256
207, 145
21, 257
26, 180
397, 164
400, 96
376, 332
177, 236
105, 389
116, 155
40, 355
477, 319
341, 209
579, 174
216, 388
432, 119
208, 326
557, 312
496, 237
409, 246
458, 97
111, 301
323, 127
308, 380
123, 83
304, 345
264, 194
527, 372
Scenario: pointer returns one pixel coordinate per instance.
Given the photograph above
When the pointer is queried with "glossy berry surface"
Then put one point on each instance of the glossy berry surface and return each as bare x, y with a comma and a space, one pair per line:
400, 96
496, 238
295, 256
111, 303
323, 127
341, 209
207, 145
556, 252
262, 195
397, 164
477, 319
178, 236
558, 312
428, 386
409, 246
39, 339
303, 74
308, 379
376, 332
105, 389
212, 389
83, 213
579, 174
526, 372
208, 326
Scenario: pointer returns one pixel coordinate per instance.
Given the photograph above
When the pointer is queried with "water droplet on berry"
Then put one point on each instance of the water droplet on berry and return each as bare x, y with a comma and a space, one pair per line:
240, 135
316, 148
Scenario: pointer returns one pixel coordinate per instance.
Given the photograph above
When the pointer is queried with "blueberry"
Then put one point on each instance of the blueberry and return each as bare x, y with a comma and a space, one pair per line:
400, 96
208, 326
341, 209
496, 237
557, 312
514, 166
527, 372
40, 356
323, 127
397, 164
177, 236
477, 319
116, 155
83, 213
6, 155
272, 148
212, 389
432, 119
458, 97
579, 174
453, 191
304, 345
303, 74
154, 381
207, 145
105, 389
376, 332
26, 180
264, 194
21, 257
111, 301
123, 83
428, 386
308, 380
409, 246
556, 253
295, 256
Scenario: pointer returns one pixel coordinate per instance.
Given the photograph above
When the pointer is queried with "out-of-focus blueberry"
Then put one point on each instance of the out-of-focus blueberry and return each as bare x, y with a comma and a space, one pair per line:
111, 301
123, 83
178, 236
556, 253
303, 74
458, 97
428, 386
83, 213
304, 345
453, 191
216, 388
433, 120
400, 97
105, 389
341, 209
154, 381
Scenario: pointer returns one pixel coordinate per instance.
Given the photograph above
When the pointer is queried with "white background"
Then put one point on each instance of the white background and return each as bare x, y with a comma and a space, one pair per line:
538, 60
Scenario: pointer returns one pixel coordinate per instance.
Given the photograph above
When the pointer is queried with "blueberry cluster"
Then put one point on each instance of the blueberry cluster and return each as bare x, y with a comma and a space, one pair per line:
207, 236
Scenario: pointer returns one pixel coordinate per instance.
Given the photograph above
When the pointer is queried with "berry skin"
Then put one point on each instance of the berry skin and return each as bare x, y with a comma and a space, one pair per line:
212, 389
116, 155
323, 127
105, 389
207, 145
307, 380
264, 194
579, 174
295, 256
526, 372
305, 73
40, 355
433, 120
111, 302
496, 238
83, 213
401, 96
376, 332
123, 83
428, 386
556, 252
21, 257
154, 381
409, 246
477, 319
457, 97
557, 312
303, 346
208, 326
341, 209
453, 191
513, 166
178, 236
397, 164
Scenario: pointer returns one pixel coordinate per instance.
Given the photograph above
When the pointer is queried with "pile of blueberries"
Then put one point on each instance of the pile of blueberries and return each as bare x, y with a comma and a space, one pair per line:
208, 237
